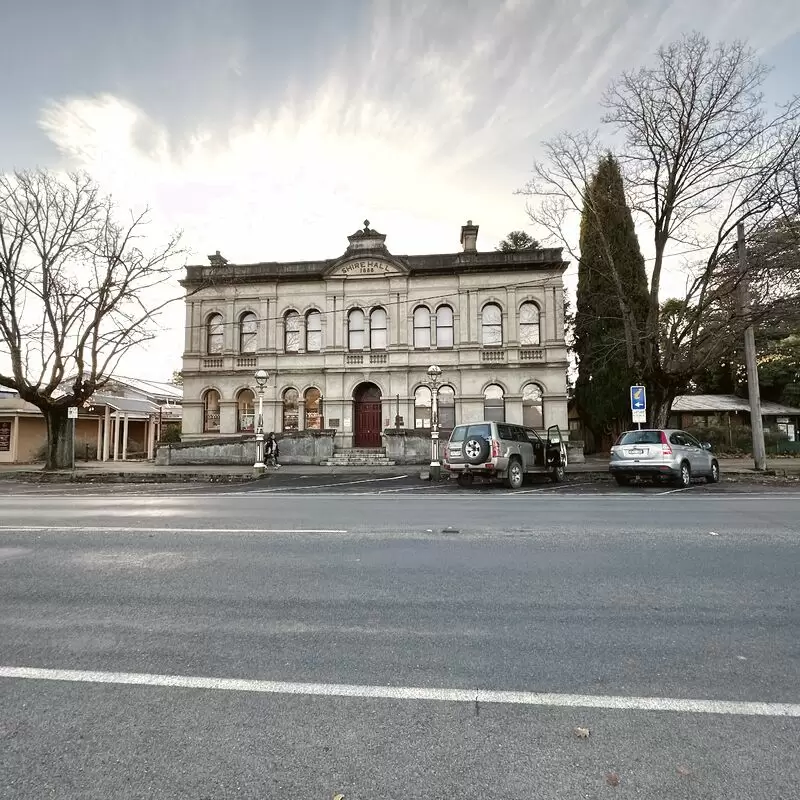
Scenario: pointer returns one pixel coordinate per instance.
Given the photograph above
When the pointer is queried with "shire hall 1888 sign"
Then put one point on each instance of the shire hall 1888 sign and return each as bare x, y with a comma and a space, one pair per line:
370, 267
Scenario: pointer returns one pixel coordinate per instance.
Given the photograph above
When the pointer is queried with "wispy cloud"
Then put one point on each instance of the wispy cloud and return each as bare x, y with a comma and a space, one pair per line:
423, 115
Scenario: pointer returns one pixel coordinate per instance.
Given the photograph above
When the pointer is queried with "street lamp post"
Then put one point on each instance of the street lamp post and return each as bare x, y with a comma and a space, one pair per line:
434, 377
261, 378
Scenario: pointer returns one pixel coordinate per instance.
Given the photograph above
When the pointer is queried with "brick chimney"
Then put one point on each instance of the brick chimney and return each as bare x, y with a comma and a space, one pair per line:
469, 237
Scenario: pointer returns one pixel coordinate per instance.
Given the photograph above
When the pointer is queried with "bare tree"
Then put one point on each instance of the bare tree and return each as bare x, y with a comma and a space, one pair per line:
700, 154
77, 292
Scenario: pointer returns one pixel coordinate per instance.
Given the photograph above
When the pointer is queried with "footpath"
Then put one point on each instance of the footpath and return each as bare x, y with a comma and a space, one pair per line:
148, 472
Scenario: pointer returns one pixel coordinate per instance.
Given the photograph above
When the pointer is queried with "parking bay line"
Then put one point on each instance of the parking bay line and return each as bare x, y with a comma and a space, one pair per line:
554, 487
519, 698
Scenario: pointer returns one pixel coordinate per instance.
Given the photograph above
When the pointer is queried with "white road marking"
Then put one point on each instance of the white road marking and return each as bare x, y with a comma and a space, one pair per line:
676, 491
619, 702
554, 487
131, 529
324, 485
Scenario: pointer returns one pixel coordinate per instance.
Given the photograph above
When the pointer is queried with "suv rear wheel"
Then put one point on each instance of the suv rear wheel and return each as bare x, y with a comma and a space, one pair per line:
713, 476
515, 475
558, 473
465, 479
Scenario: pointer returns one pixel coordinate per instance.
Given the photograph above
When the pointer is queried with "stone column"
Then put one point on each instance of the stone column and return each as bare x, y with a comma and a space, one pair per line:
116, 435
301, 414
99, 452
151, 438
106, 433
125, 437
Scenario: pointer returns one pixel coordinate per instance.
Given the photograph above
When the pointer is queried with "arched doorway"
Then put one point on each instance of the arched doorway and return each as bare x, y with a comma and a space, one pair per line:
367, 416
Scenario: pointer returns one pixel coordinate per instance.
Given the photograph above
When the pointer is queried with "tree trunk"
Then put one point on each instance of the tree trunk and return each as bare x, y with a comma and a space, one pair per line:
659, 405
59, 438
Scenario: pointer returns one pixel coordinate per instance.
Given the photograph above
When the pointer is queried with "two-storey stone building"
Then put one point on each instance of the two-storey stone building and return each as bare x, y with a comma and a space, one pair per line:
347, 341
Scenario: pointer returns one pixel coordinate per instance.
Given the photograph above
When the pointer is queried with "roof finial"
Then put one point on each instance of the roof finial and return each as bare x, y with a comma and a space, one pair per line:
366, 224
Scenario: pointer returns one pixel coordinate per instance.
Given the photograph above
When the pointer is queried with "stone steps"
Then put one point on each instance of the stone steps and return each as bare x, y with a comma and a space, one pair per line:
359, 457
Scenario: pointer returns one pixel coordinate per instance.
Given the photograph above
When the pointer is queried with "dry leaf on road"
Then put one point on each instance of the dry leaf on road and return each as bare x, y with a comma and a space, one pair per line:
612, 779
581, 733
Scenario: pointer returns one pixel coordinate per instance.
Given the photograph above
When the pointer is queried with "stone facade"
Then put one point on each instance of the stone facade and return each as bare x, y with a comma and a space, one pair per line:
347, 342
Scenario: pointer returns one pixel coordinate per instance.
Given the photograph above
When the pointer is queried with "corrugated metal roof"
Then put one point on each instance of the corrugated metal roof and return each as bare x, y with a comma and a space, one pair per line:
729, 402
126, 405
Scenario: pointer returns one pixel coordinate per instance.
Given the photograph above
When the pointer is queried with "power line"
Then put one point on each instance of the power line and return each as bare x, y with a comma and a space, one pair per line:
391, 303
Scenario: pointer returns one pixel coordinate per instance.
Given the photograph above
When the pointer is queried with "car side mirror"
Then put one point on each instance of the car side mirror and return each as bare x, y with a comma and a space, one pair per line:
706, 445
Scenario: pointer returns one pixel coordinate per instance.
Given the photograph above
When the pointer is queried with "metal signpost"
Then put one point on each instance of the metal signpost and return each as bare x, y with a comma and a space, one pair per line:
639, 405
72, 413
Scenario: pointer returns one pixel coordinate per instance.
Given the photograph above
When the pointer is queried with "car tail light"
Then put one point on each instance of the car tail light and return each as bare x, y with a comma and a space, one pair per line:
495, 448
666, 450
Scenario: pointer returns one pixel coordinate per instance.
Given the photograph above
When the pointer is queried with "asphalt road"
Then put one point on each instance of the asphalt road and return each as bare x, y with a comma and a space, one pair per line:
378, 631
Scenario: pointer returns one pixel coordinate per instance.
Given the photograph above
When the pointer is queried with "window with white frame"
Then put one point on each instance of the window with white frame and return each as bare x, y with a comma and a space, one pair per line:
529, 325
422, 328
492, 325
355, 329
444, 326
291, 332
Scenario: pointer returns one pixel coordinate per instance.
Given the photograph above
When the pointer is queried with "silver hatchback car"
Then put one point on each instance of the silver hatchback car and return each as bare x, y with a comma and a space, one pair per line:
662, 455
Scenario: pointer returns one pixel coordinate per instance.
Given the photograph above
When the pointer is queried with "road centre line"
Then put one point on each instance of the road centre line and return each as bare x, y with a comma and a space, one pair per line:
132, 529
547, 699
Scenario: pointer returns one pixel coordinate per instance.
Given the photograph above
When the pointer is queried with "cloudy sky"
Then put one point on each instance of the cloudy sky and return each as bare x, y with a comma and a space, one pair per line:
269, 130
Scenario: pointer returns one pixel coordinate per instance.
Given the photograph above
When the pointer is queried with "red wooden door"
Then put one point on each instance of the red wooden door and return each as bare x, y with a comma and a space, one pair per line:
368, 418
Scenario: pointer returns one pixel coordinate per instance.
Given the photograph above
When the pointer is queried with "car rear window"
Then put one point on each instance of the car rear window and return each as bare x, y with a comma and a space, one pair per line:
461, 432
640, 437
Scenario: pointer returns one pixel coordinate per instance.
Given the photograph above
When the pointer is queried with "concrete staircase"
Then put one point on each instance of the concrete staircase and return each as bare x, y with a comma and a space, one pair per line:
359, 457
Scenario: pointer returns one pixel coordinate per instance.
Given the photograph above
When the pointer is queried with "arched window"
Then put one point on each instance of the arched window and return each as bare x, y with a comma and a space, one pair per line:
422, 328
532, 406
446, 403
492, 326
313, 400
529, 330
290, 409
422, 407
291, 332
444, 326
313, 332
494, 403
378, 339
246, 411
215, 335
248, 333
355, 329
211, 411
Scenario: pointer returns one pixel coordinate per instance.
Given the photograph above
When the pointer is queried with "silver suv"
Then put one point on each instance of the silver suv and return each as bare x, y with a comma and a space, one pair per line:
500, 450
662, 455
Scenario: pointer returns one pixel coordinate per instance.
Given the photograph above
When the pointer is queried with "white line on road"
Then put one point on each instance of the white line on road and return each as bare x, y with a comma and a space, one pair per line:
131, 529
323, 485
619, 702
554, 487
677, 491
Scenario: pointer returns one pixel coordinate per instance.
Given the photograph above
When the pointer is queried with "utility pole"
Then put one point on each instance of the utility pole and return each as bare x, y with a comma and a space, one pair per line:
756, 420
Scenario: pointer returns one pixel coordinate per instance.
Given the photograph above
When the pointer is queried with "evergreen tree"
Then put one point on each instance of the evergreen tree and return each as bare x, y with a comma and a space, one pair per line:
606, 368
518, 240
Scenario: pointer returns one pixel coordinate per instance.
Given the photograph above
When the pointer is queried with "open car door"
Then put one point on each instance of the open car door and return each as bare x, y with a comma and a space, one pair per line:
555, 454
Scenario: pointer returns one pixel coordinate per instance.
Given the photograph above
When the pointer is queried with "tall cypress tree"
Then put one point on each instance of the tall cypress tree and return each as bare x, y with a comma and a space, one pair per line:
604, 300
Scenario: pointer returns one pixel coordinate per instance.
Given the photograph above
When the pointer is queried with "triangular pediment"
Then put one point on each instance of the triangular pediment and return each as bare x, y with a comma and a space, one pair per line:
366, 266
366, 257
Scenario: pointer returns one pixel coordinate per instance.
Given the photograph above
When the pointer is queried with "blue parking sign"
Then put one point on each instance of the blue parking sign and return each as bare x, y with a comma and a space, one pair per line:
638, 398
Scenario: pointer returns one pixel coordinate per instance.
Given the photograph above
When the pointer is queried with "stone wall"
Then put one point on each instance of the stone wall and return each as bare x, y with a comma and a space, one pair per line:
411, 446
304, 447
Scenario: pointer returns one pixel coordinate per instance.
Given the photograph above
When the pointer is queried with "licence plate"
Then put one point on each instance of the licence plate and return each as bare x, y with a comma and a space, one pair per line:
635, 451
